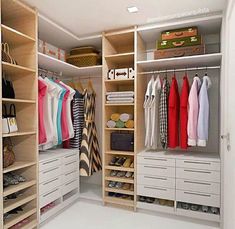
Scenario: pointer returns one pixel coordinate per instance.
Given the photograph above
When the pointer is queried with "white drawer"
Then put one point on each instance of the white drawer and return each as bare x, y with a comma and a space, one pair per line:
156, 170
198, 174
49, 197
49, 185
70, 176
156, 192
70, 167
196, 164
154, 180
70, 157
198, 198
154, 160
68, 187
198, 186
45, 165
49, 174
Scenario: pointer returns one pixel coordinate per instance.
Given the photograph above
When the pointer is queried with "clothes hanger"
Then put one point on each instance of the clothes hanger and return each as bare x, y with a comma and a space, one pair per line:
90, 86
79, 87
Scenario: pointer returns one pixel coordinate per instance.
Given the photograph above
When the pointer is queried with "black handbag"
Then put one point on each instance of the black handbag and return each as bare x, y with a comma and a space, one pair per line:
7, 89
122, 141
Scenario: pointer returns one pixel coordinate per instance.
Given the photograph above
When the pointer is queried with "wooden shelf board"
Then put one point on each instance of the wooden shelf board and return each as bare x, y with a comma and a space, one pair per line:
121, 191
205, 60
119, 168
14, 203
30, 225
6, 100
18, 165
27, 211
15, 188
19, 134
118, 104
113, 152
16, 69
119, 201
120, 129
120, 82
68, 70
122, 58
14, 37
120, 179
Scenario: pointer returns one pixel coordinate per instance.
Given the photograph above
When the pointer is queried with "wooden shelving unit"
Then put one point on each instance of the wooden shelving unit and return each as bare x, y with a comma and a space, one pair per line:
19, 30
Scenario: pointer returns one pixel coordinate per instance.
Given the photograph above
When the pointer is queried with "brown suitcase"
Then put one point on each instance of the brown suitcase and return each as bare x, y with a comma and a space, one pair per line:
179, 33
179, 52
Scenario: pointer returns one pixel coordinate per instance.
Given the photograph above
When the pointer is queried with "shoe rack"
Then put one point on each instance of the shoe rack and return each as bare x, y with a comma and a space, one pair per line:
19, 30
118, 52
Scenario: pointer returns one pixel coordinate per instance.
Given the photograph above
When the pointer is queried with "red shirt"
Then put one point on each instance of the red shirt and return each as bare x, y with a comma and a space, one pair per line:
173, 115
184, 113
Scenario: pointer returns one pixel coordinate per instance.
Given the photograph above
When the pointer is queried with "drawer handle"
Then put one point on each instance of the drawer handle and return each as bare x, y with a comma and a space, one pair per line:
69, 183
155, 159
69, 173
161, 189
70, 156
48, 171
154, 167
194, 182
50, 193
197, 171
49, 162
157, 178
50, 181
70, 163
197, 194
196, 162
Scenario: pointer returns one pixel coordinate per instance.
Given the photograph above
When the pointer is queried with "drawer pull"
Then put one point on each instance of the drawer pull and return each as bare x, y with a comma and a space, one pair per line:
48, 162
70, 156
70, 183
50, 181
160, 189
69, 173
155, 159
194, 182
157, 178
196, 162
48, 171
50, 193
197, 194
197, 171
70, 163
154, 167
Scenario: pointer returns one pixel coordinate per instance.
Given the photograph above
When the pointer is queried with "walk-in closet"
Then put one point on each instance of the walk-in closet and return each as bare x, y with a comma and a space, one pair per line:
117, 114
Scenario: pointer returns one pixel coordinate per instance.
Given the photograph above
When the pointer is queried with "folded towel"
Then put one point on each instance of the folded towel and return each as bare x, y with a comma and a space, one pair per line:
129, 124
117, 102
121, 96
120, 124
125, 117
111, 124
115, 117
121, 99
121, 93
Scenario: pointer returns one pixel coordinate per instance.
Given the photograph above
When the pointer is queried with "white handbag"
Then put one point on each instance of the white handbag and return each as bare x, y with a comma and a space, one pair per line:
9, 124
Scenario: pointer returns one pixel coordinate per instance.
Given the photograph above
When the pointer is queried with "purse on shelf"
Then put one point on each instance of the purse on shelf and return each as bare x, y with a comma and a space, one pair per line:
6, 57
8, 153
9, 124
7, 89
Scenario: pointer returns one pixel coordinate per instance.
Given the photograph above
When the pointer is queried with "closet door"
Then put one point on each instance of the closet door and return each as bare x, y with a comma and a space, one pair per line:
228, 109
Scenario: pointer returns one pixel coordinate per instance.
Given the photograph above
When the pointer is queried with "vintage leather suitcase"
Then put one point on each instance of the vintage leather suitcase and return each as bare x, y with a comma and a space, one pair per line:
179, 42
122, 141
179, 33
179, 52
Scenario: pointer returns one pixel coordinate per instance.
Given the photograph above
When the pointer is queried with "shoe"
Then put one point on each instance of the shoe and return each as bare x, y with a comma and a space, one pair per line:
150, 200
157, 201
19, 178
119, 185
163, 202
142, 199
127, 163
113, 161
205, 209
170, 203
124, 196
112, 184
194, 207
214, 210
126, 186
118, 195
185, 206
120, 161
121, 174
132, 187
129, 174
132, 164
10, 180
133, 175
111, 194
113, 173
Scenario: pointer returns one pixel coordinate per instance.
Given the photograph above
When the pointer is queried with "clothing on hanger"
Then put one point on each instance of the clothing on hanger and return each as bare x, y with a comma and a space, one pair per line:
173, 115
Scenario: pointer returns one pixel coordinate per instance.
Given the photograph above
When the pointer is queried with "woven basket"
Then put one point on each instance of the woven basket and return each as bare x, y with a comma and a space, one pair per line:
83, 50
84, 60
6, 54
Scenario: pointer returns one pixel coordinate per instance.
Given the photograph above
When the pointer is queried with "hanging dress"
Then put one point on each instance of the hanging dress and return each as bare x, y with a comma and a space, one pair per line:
90, 160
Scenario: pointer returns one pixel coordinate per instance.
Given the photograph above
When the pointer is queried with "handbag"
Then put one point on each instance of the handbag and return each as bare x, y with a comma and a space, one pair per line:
6, 57
8, 153
7, 89
9, 124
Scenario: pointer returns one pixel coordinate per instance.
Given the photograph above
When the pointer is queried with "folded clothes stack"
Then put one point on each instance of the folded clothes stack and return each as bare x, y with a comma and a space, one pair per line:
123, 120
120, 97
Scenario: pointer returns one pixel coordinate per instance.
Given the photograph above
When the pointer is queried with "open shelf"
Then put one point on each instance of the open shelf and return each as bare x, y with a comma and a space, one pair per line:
14, 203
120, 82
123, 58
120, 129
53, 64
123, 153
15, 134
6, 100
119, 168
119, 104
16, 69
18, 165
120, 179
121, 191
15, 188
119, 201
30, 225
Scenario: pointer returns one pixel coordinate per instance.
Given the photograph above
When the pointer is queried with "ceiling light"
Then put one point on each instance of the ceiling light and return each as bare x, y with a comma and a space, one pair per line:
132, 9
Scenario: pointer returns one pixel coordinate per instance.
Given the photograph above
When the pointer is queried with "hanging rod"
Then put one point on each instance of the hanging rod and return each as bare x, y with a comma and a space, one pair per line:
180, 70
50, 72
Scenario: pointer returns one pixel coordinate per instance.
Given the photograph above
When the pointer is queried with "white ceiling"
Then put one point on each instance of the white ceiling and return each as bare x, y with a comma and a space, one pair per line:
87, 17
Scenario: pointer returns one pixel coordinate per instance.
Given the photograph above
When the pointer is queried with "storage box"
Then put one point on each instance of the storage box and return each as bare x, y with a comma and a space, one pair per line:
122, 141
179, 42
179, 33
84, 60
122, 73
179, 52
83, 50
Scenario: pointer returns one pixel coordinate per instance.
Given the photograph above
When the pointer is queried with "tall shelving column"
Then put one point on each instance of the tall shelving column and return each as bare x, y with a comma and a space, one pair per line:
19, 30
118, 52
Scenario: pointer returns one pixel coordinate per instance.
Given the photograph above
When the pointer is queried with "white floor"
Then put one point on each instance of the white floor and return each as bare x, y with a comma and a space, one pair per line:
91, 191
93, 216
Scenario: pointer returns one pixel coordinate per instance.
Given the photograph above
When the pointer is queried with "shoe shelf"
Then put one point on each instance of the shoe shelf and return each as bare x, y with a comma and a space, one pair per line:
121, 191
30, 225
120, 179
119, 201
122, 153
18, 165
109, 167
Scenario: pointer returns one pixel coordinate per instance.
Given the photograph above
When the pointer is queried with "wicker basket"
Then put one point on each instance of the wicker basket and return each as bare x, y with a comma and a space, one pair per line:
84, 60
83, 50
